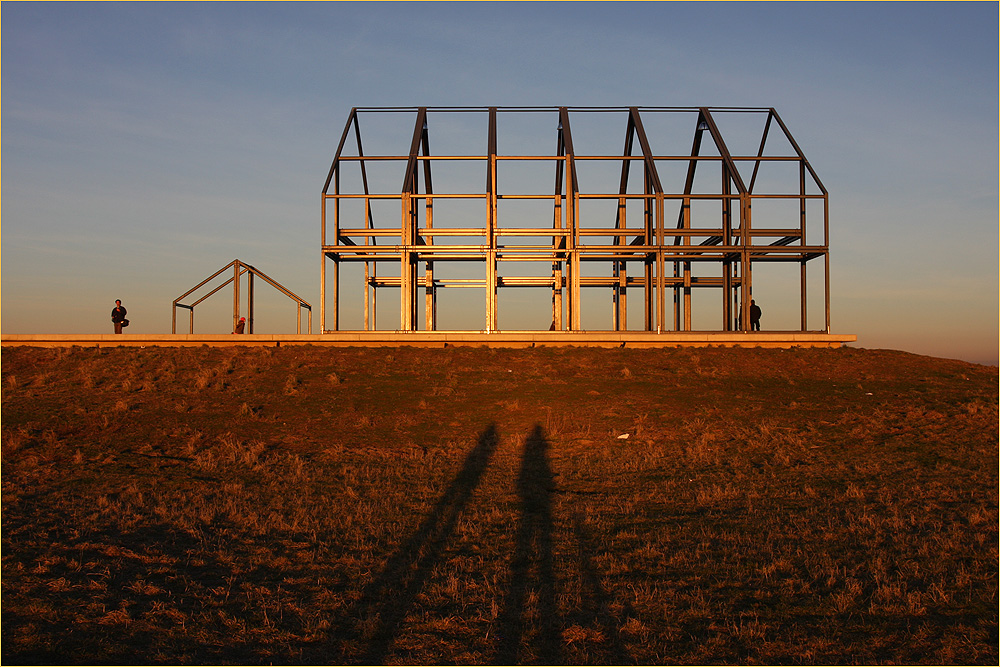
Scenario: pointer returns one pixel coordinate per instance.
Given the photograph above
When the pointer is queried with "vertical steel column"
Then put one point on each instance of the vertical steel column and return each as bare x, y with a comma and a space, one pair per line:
677, 289
430, 305
572, 222
745, 219
322, 263
369, 224
682, 270
661, 286
491, 223
412, 263
826, 256
622, 318
687, 269
405, 284
236, 293
558, 242
744, 303
408, 228
746, 276
576, 320
250, 305
649, 265
727, 229
430, 292
336, 257
737, 326
352, 119
616, 295
367, 289
619, 266
803, 300
649, 261
652, 186
371, 268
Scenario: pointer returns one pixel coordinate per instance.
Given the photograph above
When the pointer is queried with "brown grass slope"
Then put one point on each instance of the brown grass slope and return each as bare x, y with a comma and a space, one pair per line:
317, 505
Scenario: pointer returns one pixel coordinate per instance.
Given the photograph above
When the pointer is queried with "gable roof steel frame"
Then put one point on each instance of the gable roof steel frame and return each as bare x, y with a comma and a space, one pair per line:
734, 245
238, 270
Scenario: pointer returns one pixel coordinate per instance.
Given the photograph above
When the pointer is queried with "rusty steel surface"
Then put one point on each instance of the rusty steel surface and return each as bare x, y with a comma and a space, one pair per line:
636, 231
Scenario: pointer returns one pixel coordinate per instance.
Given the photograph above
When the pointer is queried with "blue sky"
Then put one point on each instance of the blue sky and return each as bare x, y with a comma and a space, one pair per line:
145, 145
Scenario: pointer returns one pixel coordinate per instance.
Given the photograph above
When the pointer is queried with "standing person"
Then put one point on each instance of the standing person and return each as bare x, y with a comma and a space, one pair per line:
118, 316
754, 316
241, 326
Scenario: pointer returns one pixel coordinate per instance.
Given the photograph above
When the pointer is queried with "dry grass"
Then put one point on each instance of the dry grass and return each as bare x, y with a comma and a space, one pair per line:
312, 505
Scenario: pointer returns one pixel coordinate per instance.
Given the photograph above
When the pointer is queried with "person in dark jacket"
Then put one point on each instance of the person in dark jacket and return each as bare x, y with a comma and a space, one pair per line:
754, 316
241, 326
118, 316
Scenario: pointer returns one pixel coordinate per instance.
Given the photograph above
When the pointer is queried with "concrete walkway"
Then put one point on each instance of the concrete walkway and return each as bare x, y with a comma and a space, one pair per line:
446, 339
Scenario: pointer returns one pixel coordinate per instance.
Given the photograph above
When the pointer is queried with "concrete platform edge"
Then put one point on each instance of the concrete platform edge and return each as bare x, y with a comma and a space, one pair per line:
443, 339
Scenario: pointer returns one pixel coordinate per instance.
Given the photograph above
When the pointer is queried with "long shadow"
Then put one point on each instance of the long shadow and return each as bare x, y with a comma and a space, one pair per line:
531, 571
385, 602
596, 605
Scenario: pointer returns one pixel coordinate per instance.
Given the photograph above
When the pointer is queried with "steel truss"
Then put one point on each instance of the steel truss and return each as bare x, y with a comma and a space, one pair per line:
646, 249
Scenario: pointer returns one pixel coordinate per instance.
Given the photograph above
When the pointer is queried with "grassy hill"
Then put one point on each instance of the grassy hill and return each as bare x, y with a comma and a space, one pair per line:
319, 505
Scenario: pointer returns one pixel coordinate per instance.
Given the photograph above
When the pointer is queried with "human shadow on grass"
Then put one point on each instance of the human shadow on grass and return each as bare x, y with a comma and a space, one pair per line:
529, 614
530, 624
385, 602
595, 608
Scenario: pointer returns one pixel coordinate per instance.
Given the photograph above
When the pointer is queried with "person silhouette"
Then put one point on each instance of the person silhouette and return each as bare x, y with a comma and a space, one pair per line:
118, 316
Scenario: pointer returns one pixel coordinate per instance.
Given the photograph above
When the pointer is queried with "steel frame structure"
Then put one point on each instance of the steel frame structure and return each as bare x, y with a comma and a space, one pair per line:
649, 251
238, 269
